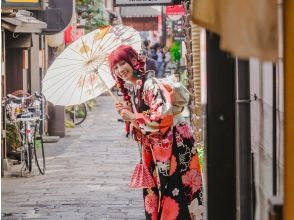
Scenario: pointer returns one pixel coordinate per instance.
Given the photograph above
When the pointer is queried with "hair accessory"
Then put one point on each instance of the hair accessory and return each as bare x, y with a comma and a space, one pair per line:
137, 74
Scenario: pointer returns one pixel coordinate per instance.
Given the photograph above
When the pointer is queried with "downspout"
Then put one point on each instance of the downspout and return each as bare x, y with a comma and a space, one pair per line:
163, 20
243, 143
274, 134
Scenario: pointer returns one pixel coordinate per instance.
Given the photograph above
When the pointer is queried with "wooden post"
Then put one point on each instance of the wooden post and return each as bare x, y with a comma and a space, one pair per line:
289, 108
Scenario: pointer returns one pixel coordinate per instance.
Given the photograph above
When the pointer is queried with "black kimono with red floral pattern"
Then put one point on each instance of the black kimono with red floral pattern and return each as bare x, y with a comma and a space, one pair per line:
171, 156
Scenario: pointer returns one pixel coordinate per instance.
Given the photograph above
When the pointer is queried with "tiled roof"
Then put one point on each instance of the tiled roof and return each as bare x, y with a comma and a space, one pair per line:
140, 11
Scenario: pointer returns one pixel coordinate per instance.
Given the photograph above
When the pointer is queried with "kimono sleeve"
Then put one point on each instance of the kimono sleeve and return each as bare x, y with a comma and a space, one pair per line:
154, 120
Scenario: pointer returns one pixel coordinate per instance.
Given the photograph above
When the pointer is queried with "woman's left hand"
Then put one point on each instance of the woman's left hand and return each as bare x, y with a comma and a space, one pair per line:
127, 115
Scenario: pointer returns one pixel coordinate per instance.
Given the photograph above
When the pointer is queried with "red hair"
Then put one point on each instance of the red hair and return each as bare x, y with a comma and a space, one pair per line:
123, 52
126, 53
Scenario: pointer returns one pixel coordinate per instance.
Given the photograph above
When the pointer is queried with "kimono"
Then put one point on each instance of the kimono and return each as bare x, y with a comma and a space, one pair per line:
169, 153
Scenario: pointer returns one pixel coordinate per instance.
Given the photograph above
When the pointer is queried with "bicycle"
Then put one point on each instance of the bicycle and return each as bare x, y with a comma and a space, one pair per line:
38, 135
26, 113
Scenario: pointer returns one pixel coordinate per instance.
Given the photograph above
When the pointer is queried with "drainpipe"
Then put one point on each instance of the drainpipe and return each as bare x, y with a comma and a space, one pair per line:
243, 143
274, 135
163, 20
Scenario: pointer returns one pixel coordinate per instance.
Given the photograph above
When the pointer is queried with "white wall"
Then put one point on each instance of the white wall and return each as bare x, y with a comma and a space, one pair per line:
261, 74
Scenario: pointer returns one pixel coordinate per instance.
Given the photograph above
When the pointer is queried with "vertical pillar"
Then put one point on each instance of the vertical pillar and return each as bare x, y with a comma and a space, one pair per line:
34, 61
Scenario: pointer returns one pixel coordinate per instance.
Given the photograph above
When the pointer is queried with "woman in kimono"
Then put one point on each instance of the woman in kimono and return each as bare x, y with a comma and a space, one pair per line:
167, 142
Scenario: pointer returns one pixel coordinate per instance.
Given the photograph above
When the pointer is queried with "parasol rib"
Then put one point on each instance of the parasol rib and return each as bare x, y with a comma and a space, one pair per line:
99, 44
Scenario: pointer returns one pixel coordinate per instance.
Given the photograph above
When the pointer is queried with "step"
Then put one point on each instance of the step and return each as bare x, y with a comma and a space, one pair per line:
50, 139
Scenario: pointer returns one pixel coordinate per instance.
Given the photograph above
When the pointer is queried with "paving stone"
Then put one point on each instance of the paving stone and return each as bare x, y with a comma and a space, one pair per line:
87, 176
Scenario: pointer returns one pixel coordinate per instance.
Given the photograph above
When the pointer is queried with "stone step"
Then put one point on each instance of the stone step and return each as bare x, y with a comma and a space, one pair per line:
50, 139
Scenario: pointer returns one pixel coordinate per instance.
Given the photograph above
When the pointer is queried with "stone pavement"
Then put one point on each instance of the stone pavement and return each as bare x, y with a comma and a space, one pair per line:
87, 177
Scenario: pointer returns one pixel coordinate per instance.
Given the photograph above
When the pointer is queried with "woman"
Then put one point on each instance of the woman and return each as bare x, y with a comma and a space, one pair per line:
167, 143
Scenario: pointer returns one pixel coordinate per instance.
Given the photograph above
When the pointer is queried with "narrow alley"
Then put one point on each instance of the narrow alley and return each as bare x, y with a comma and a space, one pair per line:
87, 177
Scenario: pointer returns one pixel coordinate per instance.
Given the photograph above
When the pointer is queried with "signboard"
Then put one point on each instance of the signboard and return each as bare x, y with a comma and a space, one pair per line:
178, 31
23, 4
118, 3
175, 10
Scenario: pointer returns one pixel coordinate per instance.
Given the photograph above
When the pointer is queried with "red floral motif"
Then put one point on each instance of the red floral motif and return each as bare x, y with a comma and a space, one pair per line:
185, 131
154, 216
149, 96
173, 165
155, 178
170, 209
166, 143
169, 136
151, 202
192, 179
163, 151
179, 140
194, 163
146, 143
156, 112
146, 158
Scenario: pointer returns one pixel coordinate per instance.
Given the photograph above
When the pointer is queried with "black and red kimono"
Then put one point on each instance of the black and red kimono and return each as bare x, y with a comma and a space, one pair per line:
171, 157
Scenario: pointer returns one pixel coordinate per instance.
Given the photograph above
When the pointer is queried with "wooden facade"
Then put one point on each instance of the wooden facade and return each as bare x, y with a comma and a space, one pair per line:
142, 24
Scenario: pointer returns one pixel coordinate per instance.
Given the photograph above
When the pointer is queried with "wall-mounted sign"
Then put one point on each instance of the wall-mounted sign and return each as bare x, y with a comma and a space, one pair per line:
23, 4
177, 30
119, 3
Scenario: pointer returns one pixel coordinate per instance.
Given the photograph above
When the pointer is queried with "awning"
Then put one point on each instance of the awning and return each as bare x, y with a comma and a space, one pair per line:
143, 11
23, 24
247, 28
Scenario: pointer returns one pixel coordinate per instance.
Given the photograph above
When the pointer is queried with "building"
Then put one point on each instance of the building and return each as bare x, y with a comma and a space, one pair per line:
25, 50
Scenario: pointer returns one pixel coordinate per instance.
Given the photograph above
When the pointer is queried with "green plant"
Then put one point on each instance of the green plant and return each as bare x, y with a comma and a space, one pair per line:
12, 139
200, 151
175, 51
90, 104
38, 144
69, 124
80, 114
92, 11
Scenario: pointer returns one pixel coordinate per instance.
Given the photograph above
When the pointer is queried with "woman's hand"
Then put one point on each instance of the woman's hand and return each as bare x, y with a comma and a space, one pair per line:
122, 105
125, 111
127, 115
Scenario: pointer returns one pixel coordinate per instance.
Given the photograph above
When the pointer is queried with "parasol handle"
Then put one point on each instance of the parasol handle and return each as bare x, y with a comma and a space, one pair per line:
108, 90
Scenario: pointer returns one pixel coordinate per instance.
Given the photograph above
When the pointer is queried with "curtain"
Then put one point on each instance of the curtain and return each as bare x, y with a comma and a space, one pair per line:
247, 28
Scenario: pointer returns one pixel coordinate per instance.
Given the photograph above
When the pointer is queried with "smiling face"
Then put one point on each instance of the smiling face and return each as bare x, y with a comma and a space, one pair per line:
124, 70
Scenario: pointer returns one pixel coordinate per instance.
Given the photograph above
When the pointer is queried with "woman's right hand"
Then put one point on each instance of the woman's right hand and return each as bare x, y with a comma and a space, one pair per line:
122, 105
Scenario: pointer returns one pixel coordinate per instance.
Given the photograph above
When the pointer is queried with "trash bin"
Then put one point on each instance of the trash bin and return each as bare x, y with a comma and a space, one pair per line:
56, 125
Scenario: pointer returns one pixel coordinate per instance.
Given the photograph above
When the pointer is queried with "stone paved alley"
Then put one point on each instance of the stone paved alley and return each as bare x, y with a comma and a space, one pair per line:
87, 177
